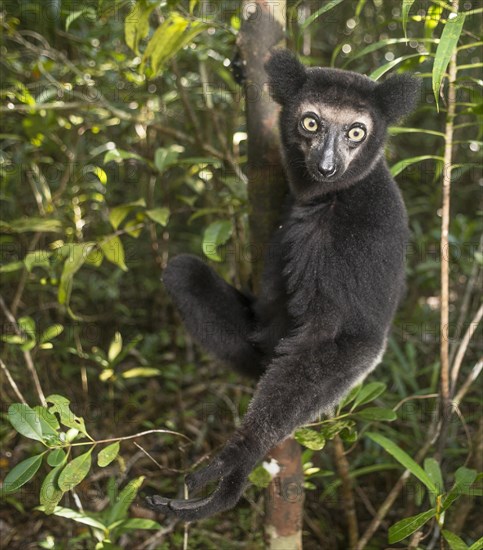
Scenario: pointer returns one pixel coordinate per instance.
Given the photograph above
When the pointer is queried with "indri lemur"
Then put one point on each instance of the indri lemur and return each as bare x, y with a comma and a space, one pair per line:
333, 275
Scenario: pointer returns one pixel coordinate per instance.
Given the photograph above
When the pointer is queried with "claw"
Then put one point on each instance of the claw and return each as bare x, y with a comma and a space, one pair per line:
158, 503
186, 510
192, 504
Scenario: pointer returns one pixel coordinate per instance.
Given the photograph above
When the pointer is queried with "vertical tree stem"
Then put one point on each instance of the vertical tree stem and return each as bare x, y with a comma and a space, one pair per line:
348, 501
444, 245
262, 29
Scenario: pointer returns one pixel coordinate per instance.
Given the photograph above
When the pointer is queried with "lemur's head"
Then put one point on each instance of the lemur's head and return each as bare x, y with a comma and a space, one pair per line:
333, 123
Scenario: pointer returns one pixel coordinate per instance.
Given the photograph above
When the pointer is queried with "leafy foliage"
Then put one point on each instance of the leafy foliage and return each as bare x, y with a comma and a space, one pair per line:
123, 142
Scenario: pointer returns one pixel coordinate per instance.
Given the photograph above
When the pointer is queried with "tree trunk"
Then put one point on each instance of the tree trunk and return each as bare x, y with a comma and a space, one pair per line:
263, 27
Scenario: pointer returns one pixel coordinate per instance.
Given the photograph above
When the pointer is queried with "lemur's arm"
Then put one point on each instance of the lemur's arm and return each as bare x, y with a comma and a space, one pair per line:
324, 371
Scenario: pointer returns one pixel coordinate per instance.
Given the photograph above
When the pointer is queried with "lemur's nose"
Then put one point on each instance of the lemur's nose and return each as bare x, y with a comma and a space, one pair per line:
327, 169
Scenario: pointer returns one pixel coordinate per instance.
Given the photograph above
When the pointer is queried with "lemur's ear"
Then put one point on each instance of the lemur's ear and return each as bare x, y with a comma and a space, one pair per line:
398, 96
286, 75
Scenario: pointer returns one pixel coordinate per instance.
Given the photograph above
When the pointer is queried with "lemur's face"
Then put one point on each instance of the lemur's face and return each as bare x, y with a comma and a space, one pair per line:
332, 138
333, 122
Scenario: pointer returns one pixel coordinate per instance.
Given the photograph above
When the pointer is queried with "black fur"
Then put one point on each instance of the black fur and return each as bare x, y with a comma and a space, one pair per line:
333, 276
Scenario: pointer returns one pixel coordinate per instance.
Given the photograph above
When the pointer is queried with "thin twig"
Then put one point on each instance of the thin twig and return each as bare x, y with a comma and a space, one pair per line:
12, 383
475, 372
412, 398
455, 369
26, 354
126, 437
465, 304
148, 455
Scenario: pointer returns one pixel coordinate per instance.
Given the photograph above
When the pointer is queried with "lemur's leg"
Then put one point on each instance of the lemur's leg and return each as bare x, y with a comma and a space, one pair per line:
217, 315
296, 388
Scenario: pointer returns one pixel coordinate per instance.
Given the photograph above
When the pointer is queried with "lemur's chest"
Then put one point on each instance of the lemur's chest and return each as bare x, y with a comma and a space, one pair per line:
318, 245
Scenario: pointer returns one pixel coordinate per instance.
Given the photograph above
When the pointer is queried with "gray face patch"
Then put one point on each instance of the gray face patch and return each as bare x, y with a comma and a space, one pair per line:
331, 137
341, 115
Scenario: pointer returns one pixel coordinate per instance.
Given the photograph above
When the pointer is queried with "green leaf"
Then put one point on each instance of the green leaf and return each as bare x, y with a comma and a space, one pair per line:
141, 372
348, 434
368, 393
99, 173
50, 493
478, 545
115, 347
446, 48
406, 526
38, 258
75, 14
216, 234
406, 7
12, 266
124, 499
15, 339
310, 439
325, 8
50, 426
383, 44
432, 468
159, 215
405, 163
27, 326
24, 225
403, 458
77, 254
56, 457
375, 75
51, 332
26, 421
108, 454
464, 478
455, 543
172, 35
136, 24
329, 431
260, 477
360, 7
118, 213
22, 473
135, 523
60, 406
133, 228
79, 517
396, 130
192, 6
118, 155
164, 157
377, 413
114, 251
350, 396
75, 471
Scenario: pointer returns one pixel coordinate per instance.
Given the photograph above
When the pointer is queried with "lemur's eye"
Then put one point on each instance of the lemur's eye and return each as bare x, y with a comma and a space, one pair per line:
310, 124
356, 134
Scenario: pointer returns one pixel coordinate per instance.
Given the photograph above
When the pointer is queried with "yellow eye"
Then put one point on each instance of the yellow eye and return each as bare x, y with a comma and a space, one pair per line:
310, 124
356, 134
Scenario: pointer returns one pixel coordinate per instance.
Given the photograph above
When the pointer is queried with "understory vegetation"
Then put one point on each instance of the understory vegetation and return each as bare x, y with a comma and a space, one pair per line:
123, 143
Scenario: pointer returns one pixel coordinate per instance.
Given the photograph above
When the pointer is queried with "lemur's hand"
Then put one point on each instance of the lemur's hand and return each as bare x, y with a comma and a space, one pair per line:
231, 467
